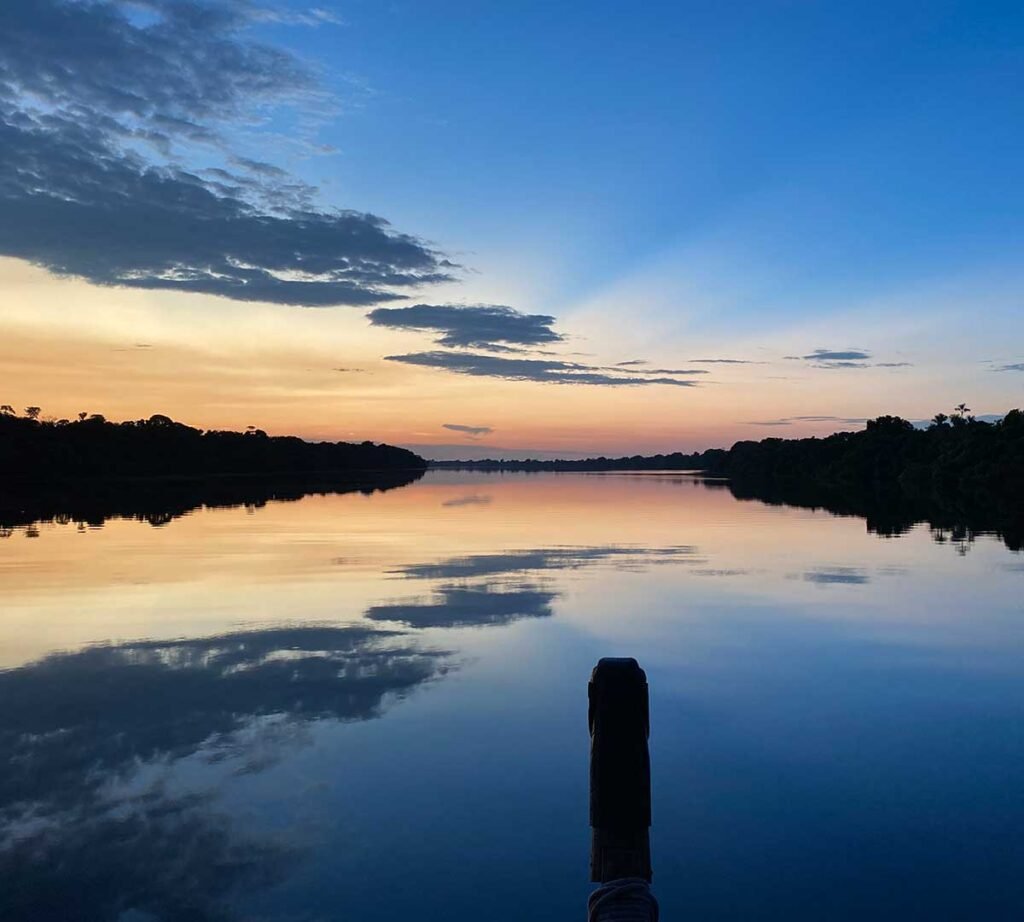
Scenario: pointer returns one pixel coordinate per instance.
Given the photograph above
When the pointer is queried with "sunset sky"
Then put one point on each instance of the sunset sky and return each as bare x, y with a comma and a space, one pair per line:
504, 229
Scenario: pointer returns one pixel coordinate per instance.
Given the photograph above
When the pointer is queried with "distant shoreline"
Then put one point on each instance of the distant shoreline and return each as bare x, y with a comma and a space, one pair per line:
954, 456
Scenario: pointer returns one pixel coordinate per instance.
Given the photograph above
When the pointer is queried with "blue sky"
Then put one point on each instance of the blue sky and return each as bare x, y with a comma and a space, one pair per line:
668, 182
858, 143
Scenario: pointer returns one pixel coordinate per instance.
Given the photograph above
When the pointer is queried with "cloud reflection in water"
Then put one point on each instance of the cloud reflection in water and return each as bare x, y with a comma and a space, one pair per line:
82, 730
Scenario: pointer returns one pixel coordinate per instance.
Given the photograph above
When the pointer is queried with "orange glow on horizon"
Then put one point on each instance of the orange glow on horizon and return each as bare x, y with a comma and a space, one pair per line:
321, 374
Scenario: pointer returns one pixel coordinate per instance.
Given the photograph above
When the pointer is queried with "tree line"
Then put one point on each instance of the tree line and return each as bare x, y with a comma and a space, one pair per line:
953, 452
90, 446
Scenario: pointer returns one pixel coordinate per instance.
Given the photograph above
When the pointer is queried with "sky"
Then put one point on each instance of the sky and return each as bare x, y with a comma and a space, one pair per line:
484, 229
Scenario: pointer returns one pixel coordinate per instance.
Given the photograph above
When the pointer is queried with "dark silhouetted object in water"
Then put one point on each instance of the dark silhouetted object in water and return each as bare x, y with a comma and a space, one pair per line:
620, 793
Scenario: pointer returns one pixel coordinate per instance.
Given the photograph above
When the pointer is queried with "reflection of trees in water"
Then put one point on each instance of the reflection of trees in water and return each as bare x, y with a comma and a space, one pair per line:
77, 728
891, 513
159, 501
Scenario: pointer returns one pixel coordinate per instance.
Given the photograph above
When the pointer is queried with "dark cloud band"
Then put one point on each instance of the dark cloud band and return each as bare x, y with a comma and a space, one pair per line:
830, 355
481, 326
94, 107
472, 431
539, 370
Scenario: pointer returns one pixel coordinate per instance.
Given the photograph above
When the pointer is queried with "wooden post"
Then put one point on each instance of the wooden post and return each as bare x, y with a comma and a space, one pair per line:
620, 771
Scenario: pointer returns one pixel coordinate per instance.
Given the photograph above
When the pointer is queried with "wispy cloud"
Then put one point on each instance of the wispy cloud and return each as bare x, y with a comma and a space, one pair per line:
843, 358
790, 420
473, 432
98, 110
485, 326
726, 362
660, 371
540, 370
1014, 366
828, 355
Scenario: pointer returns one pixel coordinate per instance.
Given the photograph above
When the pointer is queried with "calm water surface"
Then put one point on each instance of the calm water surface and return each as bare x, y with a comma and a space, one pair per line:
372, 708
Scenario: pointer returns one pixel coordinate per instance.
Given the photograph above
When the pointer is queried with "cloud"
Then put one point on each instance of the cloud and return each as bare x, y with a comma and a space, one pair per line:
725, 362
472, 431
661, 371
827, 355
314, 16
845, 358
479, 325
631, 368
1015, 366
540, 370
789, 420
98, 111
830, 419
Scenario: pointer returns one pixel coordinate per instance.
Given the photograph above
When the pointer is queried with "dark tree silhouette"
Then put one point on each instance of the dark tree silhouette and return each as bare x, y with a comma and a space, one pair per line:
963, 478
36, 450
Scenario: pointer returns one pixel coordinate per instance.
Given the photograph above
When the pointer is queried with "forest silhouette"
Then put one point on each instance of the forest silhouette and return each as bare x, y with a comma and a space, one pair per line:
38, 450
953, 453
961, 475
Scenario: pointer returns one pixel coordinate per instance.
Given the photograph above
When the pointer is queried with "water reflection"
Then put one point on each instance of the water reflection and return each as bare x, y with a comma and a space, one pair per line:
887, 513
160, 501
821, 687
82, 731
148, 857
458, 606
892, 513
831, 575
492, 590
552, 558
472, 499
72, 720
